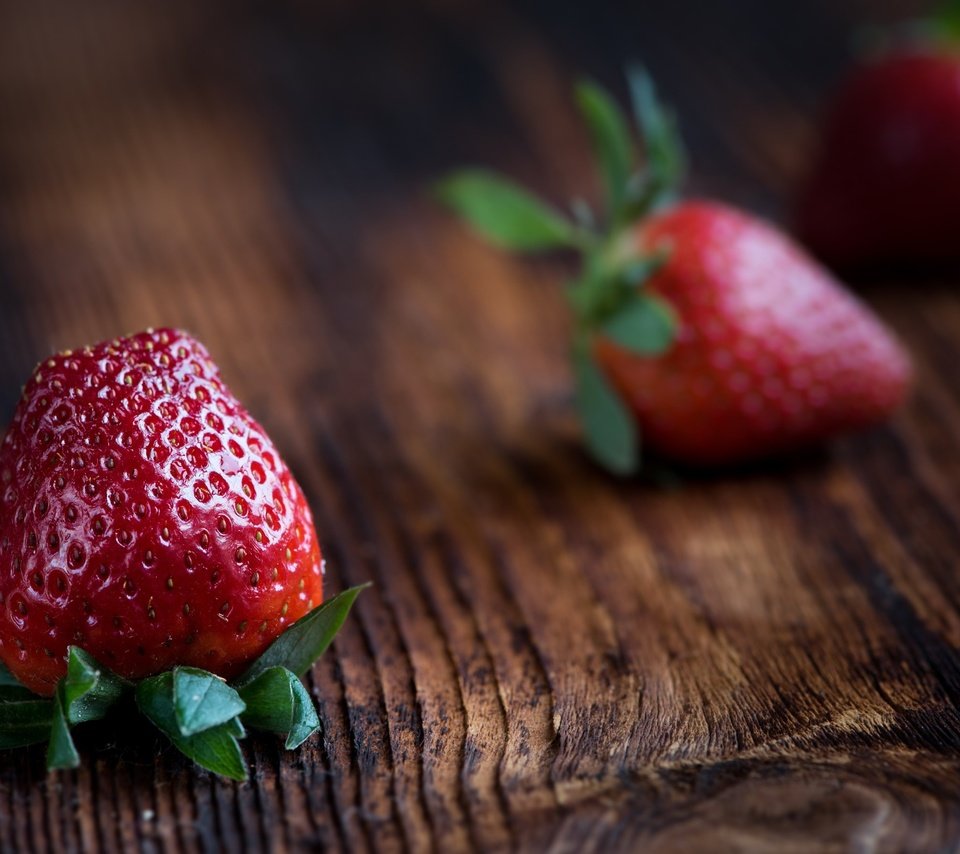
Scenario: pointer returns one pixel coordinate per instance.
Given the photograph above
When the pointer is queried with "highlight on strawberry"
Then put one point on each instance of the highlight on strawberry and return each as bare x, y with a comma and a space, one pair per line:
697, 325
884, 182
153, 546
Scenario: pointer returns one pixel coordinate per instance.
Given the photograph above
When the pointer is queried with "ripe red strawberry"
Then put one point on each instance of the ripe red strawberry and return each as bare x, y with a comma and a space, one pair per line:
771, 354
703, 327
145, 517
885, 182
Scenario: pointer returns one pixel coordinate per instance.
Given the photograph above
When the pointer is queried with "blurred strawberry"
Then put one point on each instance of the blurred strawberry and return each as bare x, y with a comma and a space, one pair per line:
699, 325
885, 182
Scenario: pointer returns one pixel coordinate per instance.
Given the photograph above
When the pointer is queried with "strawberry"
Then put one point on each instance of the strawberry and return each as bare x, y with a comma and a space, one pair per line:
147, 526
771, 354
697, 324
884, 185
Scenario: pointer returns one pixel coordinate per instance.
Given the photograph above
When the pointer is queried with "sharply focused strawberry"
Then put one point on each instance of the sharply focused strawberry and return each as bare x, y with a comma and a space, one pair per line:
148, 522
146, 517
885, 183
699, 324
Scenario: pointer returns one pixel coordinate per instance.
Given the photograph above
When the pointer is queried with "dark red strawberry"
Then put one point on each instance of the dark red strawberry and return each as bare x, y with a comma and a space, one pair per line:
702, 326
885, 182
145, 517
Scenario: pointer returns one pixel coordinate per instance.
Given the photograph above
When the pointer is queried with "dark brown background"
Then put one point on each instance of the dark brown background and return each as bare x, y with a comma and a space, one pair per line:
549, 659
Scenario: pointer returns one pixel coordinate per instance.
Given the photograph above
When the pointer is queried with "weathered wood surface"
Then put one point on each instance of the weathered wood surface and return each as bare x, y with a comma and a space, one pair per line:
550, 660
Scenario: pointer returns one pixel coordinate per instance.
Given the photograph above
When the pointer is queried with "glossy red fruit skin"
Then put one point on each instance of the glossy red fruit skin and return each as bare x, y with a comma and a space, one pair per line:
146, 517
885, 183
772, 354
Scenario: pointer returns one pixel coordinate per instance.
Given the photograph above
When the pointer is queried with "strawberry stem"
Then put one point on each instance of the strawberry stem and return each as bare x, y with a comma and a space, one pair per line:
607, 297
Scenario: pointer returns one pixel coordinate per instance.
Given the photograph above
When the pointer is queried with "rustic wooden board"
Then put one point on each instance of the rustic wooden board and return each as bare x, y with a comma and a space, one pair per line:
549, 659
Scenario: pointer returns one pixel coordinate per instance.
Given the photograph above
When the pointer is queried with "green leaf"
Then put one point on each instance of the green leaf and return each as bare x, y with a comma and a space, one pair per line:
666, 161
946, 20
307, 639
269, 700
215, 749
202, 700
25, 718
611, 142
89, 688
61, 752
505, 214
18, 714
84, 694
305, 721
15, 693
24, 737
645, 326
610, 432
7, 678
277, 701
639, 271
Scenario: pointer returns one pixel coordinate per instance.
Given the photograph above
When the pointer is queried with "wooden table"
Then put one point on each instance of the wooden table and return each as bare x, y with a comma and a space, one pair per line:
549, 659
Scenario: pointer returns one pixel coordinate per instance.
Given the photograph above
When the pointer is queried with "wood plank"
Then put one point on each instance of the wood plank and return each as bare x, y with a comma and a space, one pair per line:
549, 660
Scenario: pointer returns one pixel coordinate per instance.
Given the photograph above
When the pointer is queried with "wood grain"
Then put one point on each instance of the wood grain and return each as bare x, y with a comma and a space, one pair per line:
549, 659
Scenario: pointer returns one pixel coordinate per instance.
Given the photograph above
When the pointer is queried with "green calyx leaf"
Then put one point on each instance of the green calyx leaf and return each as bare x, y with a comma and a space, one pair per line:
609, 429
277, 701
608, 286
15, 694
612, 143
61, 752
25, 718
505, 214
638, 271
89, 689
216, 748
86, 693
307, 639
202, 700
946, 21
645, 326
666, 160
632, 195
304, 721
7, 678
